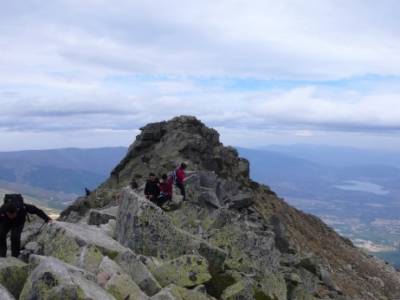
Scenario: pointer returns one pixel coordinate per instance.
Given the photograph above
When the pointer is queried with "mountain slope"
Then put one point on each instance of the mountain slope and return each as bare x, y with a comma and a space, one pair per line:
246, 233
360, 201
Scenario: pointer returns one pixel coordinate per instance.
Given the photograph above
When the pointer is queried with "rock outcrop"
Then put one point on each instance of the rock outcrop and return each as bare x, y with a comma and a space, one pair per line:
13, 274
159, 148
232, 239
54, 279
148, 230
5, 294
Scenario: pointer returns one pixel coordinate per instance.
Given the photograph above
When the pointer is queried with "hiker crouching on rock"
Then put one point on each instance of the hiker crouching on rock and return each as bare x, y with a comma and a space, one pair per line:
180, 179
165, 190
13, 215
152, 189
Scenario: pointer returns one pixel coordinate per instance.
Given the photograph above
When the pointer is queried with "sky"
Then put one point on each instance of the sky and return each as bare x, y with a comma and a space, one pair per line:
91, 73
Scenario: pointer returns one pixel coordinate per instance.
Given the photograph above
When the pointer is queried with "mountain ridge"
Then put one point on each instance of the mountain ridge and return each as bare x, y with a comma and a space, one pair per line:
233, 239
201, 147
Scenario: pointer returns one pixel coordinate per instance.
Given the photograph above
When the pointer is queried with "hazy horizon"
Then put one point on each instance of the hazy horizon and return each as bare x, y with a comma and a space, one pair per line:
262, 147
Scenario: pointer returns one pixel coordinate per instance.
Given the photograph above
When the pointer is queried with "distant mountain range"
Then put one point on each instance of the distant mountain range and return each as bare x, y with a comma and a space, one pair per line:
303, 174
345, 191
338, 156
296, 171
59, 174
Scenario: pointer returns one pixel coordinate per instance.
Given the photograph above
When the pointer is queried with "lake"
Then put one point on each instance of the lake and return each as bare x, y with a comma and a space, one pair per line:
363, 186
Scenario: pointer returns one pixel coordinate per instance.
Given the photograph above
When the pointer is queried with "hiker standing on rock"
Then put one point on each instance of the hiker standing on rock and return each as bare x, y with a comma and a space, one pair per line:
13, 215
152, 188
165, 190
180, 179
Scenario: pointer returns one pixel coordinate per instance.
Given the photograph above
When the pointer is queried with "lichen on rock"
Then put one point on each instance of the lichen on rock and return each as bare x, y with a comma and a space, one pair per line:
174, 292
147, 230
132, 265
13, 274
118, 283
184, 271
65, 241
90, 258
53, 279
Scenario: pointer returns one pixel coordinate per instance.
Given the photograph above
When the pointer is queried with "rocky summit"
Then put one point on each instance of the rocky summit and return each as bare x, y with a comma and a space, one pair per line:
232, 239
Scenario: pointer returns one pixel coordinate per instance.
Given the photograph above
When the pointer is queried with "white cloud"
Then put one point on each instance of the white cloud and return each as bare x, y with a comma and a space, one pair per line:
263, 39
342, 110
69, 65
302, 108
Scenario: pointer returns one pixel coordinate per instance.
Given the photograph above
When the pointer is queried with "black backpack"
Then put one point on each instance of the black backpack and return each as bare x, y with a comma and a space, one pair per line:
16, 199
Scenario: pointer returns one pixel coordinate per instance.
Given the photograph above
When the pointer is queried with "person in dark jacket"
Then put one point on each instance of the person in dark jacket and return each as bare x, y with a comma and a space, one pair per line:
180, 177
152, 188
13, 219
165, 190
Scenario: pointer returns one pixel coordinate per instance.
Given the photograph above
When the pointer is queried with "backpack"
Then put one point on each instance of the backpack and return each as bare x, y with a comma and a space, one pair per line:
172, 177
16, 199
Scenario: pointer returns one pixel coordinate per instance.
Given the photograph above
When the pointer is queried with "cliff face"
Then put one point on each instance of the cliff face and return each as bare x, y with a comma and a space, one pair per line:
232, 239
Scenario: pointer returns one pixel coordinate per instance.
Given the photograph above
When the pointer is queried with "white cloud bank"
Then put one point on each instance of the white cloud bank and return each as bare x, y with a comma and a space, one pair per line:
100, 66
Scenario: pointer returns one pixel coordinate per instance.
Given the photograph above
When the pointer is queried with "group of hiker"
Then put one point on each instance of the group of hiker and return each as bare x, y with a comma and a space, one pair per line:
14, 212
160, 192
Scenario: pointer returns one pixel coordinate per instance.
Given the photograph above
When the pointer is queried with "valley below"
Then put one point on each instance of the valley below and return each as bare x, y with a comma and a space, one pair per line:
360, 201
378, 236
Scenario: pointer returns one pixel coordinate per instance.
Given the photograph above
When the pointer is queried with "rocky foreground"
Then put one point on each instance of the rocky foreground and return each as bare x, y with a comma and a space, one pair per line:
232, 239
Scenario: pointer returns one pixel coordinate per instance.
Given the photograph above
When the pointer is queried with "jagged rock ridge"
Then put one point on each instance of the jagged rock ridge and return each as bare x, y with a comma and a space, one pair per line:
233, 239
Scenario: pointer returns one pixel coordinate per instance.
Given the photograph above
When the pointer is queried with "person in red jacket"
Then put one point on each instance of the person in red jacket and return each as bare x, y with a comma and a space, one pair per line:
165, 190
180, 177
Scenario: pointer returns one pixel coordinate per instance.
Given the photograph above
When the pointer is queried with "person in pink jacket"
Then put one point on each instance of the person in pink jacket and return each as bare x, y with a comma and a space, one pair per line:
180, 177
165, 190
